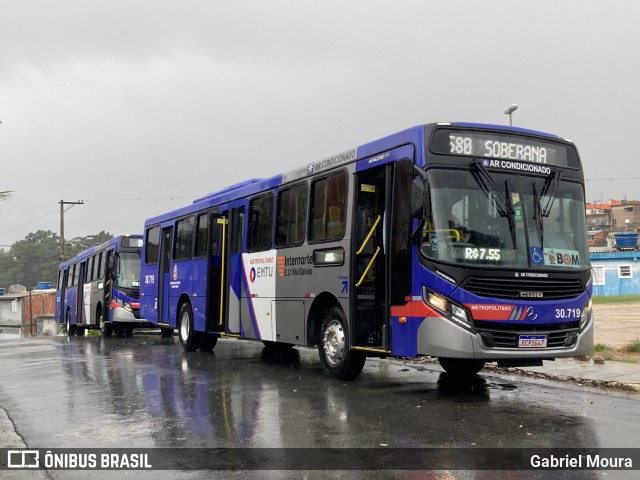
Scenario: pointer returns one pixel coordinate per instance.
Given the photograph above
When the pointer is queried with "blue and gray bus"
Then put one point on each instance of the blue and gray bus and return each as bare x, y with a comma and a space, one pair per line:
100, 288
461, 241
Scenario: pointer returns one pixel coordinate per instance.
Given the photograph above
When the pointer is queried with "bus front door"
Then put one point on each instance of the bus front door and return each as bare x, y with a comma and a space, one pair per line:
381, 260
369, 326
81, 298
164, 319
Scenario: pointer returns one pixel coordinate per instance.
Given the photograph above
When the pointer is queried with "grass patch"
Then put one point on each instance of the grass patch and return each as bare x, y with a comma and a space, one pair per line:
634, 346
629, 353
600, 299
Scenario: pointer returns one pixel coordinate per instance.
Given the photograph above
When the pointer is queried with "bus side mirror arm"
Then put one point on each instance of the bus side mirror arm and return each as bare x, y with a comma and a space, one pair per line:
417, 198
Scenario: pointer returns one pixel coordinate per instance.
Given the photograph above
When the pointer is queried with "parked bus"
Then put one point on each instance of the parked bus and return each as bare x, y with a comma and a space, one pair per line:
460, 241
100, 288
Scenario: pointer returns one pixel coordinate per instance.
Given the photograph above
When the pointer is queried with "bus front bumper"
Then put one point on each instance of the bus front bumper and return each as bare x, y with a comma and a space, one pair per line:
123, 315
439, 337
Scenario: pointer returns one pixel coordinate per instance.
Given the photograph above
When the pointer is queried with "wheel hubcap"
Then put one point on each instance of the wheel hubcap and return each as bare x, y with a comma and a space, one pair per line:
333, 343
184, 327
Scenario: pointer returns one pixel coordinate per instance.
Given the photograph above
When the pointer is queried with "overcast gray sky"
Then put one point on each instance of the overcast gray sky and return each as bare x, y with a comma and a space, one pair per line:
136, 107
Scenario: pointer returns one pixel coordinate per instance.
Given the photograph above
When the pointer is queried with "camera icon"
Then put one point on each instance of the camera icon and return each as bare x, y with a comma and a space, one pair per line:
23, 459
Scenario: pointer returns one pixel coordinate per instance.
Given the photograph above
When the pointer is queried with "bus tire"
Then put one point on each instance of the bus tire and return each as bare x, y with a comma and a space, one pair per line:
107, 329
71, 329
166, 332
461, 366
118, 329
338, 359
189, 338
208, 342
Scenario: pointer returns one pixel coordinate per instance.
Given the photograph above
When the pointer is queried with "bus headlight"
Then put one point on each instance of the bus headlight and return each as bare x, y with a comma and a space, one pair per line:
125, 305
450, 310
586, 314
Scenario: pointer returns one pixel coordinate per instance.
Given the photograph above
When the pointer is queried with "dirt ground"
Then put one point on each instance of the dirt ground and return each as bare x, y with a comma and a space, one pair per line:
617, 325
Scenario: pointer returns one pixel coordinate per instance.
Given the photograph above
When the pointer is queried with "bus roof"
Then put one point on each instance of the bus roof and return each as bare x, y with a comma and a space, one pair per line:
91, 250
413, 135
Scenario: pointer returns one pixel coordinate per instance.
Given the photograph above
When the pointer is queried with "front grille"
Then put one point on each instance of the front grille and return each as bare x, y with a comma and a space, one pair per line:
524, 289
506, 336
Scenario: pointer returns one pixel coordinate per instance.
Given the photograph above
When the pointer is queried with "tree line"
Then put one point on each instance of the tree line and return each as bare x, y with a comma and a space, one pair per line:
36, 258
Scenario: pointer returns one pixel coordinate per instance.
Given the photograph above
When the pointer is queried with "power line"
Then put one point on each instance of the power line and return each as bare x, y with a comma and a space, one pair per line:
139, 199
100, 200
30, 221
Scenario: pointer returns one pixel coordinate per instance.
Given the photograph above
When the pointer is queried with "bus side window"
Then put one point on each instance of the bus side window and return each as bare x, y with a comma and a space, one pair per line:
328, 199
90, 263
292, 216
260, 223
99, 274
184, 239
202, 233
152, 245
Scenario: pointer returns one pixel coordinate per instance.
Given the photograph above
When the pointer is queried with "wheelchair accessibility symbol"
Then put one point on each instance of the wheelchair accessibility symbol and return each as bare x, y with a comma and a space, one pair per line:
537, 255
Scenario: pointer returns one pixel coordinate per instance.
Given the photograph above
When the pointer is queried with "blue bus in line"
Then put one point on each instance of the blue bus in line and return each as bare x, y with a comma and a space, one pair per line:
100, 288
461, 241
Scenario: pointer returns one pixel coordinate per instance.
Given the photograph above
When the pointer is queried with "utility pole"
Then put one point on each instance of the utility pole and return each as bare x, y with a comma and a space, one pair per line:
62, 210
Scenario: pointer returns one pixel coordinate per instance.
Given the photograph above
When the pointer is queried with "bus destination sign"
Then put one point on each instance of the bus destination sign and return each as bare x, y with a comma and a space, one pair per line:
500, 146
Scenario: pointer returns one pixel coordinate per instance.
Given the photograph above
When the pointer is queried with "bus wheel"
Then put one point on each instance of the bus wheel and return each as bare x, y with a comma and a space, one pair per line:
118, 329
107, 329
461, 366
337, 358
208, 342
71, 329
166, 332
189, 338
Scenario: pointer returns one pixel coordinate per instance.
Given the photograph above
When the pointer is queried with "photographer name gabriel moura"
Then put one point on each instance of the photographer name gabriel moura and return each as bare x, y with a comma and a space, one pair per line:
596, 462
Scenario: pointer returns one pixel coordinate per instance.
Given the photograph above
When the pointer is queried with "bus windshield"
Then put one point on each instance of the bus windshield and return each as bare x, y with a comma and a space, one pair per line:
493, 219
128, 274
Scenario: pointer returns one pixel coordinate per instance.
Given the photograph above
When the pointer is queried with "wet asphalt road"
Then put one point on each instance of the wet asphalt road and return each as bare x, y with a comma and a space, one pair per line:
146, 392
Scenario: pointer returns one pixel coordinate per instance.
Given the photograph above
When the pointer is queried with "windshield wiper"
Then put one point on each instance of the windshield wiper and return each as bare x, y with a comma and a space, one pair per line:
549, 190
537, 215
492, 191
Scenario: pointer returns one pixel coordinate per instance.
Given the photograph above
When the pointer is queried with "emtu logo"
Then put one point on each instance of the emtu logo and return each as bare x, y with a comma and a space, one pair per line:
252, 274
23, 459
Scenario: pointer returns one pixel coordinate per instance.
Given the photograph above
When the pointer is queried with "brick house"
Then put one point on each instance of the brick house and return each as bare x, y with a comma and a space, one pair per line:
27, 314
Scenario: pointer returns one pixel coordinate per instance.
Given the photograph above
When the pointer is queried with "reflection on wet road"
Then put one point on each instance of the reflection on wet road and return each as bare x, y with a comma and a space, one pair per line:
146, 392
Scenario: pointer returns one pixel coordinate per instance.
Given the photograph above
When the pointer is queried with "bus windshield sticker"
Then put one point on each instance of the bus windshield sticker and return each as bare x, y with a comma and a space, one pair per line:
555, 257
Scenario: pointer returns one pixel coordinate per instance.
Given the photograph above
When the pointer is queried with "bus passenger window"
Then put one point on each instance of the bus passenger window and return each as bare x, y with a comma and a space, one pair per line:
184, 239
152, 245
260, 223
201, 235
328, 207
292, 216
